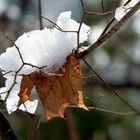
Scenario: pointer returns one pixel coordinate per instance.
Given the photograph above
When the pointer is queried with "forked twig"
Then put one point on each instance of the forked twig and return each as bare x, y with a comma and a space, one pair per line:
20, 68
103, 10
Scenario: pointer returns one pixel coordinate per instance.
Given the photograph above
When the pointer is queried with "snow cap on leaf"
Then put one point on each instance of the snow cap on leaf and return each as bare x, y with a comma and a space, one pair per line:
42, 52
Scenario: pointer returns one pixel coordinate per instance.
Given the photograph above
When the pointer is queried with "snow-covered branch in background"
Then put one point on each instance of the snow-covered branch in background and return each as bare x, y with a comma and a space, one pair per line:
103, 38
40, 50
123, 10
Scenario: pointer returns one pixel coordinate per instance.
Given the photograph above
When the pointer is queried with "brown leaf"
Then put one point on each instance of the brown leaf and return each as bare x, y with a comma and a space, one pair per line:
57, 91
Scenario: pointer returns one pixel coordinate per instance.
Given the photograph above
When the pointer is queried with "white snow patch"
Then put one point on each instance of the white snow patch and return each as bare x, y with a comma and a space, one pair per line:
123, 10
29, 106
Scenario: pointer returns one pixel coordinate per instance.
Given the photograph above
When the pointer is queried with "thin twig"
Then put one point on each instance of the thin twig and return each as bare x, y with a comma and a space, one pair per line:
103, 10
20, 55
107, 111
13, 83
93, 13
112, 112
57, 26
81, 22
16, 72
110, 89
99, 14
40, 14
4, 73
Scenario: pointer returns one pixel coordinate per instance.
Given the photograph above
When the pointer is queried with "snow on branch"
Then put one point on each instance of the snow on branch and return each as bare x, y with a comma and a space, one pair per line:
123, 10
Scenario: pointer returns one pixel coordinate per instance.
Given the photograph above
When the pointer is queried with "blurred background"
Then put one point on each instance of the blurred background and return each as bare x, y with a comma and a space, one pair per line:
117, 62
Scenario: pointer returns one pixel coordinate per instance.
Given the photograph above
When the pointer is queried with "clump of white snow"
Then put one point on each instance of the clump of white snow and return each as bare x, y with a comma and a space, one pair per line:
123, 10
29, 106
47, 47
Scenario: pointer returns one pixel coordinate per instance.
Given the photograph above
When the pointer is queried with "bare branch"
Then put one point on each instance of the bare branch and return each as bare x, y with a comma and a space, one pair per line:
39, 14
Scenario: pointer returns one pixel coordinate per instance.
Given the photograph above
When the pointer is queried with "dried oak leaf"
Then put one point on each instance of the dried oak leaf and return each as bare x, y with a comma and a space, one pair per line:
56, 91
